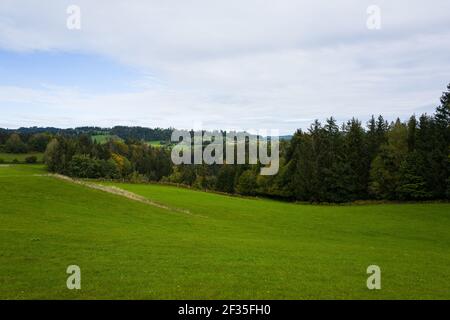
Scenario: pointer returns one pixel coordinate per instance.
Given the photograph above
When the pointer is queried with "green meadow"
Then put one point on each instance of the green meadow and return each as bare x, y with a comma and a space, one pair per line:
10, 157
154, 143
104, 138
200, 245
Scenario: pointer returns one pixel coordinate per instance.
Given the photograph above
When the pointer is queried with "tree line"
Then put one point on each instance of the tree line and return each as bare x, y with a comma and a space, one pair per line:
23, 143
326, 163
123, 132
341, 163
130, 160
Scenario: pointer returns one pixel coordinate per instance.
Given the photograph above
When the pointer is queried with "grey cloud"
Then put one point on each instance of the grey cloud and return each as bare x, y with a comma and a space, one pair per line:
241, 63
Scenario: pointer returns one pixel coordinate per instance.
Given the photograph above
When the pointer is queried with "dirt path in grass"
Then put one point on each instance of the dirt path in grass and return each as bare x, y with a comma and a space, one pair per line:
119, 192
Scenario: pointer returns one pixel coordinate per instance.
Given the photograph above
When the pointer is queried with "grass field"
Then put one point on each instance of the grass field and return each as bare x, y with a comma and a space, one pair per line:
155, 143
104, 138
220, 247
9, 157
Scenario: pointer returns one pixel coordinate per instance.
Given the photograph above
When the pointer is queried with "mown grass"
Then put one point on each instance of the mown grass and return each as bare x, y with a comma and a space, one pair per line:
224, 248
10, 157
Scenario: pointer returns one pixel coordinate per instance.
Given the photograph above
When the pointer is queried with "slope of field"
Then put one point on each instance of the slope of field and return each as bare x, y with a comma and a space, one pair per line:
216, 247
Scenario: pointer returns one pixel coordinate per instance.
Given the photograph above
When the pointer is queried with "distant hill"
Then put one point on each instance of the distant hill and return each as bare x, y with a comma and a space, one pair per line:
122, 132
286, 137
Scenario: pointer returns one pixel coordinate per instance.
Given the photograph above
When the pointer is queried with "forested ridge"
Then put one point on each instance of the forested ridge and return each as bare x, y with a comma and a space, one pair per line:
329, 162
123, 132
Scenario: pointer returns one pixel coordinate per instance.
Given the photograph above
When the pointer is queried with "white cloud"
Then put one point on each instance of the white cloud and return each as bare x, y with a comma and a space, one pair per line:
237, 63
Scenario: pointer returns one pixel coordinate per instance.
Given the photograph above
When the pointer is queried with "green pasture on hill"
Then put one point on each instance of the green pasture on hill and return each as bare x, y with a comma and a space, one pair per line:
215, 247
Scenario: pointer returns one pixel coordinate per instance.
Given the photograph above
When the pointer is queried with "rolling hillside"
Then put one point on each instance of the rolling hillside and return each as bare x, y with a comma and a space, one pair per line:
198, 245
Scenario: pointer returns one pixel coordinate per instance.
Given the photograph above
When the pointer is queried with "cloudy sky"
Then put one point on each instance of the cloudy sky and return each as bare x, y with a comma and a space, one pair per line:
219, 64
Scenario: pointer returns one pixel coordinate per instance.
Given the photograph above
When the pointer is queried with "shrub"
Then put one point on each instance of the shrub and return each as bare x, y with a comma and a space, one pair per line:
31, 159
2, 160
15, 161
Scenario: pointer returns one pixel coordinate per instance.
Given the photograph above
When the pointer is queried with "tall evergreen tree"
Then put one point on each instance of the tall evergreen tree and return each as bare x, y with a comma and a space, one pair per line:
357, 157
441, 151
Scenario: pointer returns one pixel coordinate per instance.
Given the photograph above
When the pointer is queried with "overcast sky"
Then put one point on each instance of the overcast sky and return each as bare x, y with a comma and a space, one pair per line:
242, 64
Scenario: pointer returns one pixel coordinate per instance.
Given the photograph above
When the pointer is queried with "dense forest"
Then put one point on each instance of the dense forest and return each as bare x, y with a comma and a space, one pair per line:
134, 133
329, 162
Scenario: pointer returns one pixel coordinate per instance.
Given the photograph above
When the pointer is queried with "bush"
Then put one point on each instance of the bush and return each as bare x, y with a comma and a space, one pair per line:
15, 161
2, 160
31, 159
